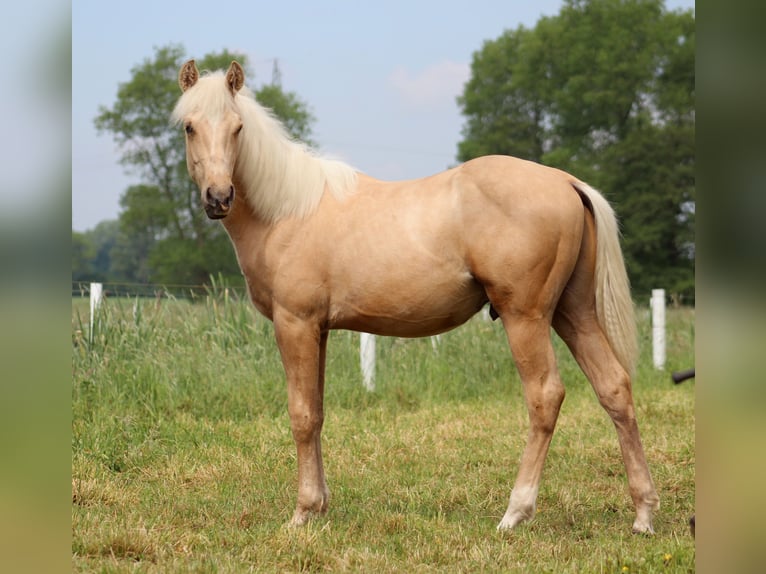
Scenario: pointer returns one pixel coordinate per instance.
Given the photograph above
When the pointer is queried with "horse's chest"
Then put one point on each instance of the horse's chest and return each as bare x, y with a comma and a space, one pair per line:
264, 307
260, 295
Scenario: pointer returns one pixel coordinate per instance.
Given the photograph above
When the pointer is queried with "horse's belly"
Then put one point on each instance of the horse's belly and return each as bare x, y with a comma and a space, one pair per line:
409, 309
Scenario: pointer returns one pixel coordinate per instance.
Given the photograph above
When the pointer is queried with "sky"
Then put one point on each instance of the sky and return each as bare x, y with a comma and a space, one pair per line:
381, 78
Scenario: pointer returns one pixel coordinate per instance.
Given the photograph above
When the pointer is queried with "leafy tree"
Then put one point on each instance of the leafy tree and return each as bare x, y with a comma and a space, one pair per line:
92, 252
164, 235
605, 89
295, 116
83, 254
504, 106
651, 176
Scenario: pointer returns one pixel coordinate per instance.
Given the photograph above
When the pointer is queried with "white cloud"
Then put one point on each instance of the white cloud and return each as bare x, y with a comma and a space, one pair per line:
434, 87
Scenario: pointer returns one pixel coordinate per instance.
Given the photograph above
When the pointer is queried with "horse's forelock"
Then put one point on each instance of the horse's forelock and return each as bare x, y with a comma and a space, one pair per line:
209, 96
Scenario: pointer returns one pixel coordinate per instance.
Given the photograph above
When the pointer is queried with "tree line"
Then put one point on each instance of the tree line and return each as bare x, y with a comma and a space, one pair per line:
605, 90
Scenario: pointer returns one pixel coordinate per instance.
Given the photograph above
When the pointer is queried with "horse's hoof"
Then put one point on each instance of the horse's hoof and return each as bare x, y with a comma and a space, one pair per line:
643, 528
300, 518
511, 521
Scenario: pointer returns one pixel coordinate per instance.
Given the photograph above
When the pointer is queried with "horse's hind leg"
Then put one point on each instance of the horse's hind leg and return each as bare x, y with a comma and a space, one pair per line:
530, 342
576, 323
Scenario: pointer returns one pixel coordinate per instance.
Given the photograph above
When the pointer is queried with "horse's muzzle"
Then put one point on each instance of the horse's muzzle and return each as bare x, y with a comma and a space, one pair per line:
216, 208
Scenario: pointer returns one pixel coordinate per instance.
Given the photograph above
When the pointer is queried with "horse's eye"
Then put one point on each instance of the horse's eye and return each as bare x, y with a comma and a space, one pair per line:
239, 129
189, 129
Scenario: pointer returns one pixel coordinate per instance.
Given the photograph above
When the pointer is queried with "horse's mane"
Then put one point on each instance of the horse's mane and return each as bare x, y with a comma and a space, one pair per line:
281, 177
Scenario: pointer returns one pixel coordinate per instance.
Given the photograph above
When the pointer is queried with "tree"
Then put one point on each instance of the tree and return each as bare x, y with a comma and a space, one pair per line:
83, 253
500, 99
92, 252
295, 116
164, 235
651, 176
605, 90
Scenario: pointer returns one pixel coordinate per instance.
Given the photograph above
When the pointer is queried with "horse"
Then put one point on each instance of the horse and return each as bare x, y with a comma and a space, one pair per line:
323, 246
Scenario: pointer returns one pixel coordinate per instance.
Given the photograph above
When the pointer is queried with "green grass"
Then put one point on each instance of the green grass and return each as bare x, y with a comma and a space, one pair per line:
183, 460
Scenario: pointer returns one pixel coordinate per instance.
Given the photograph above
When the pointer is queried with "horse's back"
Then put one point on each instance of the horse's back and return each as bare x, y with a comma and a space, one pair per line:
519, 185
521, 191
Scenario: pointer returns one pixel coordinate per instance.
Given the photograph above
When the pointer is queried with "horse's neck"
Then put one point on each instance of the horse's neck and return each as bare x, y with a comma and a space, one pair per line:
244, 226
250, 235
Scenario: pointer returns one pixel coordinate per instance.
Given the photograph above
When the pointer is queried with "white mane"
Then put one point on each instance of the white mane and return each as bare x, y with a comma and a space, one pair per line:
281, 177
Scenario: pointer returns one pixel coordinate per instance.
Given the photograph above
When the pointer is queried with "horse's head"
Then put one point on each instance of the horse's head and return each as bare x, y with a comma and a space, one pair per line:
212, 129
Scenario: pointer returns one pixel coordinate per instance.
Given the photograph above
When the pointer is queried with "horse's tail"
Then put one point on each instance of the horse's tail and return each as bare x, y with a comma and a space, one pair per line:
614, 305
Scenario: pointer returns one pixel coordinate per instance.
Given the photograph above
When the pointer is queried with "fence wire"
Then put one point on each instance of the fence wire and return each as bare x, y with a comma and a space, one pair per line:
151, 290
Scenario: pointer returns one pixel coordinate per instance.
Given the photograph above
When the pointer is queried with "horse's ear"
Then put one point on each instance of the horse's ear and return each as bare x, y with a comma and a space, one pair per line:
235, 77
188, 75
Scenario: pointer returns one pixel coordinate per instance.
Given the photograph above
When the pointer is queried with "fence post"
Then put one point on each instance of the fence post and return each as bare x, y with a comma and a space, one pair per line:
658, 328
367, 356
96, 295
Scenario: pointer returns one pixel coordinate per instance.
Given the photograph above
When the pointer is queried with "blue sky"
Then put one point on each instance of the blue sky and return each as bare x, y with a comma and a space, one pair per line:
380, 77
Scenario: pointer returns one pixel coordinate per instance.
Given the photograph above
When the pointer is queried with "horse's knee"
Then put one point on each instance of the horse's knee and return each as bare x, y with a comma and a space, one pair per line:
306, 425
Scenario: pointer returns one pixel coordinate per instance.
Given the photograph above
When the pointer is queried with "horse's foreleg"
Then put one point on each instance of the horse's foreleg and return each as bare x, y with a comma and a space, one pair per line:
544, 393
302, 347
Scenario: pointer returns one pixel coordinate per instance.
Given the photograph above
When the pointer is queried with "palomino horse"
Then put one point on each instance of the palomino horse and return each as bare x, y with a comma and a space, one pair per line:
323, 247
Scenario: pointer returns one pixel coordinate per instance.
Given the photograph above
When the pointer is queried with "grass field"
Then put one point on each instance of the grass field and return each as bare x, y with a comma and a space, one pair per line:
183, 460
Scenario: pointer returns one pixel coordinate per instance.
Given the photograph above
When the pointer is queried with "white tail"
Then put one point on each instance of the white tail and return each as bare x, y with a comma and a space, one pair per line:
614, 305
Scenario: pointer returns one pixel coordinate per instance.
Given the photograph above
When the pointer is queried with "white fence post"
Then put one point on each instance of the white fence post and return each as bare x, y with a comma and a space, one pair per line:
367, 356
658, 328
96, 295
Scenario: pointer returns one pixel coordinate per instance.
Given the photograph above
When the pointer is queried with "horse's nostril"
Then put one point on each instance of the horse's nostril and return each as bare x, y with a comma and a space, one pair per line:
230, 198
216, 202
